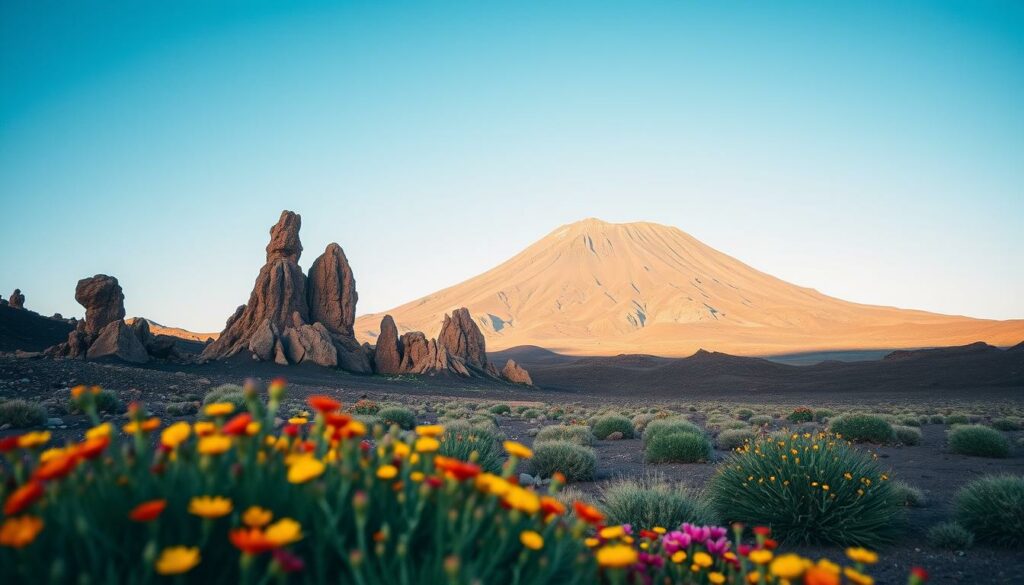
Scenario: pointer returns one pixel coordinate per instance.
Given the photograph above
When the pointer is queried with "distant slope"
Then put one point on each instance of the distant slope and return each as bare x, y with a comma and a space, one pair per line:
158, 329
30, 331
595, 288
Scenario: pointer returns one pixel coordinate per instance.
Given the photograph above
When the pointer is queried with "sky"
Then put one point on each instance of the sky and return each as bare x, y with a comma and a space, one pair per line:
871, 150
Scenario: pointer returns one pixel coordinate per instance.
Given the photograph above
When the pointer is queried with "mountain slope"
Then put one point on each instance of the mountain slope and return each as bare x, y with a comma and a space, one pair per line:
597, 288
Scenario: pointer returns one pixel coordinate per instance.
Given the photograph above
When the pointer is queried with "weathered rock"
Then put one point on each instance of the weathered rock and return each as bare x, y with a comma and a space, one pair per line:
309, 343
387, 355
462, 338
103, 299
261, 344
118, 340
284, 238
17, 300
163, 346
352, 357
515, 373
140, 327
419, 355
332, 292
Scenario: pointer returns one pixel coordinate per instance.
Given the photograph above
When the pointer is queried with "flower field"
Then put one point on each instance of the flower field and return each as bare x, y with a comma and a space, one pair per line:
324, 499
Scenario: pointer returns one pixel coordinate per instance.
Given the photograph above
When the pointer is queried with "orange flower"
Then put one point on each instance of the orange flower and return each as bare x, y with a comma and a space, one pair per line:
237, 425
337, 419
92, 448
820, 576
147, 511
23, 497
20, 532
251, 541
551, 506
324, 404
57, 467
454, 468
587, 513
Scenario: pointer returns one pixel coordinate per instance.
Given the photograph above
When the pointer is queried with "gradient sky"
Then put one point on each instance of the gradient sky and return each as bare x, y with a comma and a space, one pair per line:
871, 150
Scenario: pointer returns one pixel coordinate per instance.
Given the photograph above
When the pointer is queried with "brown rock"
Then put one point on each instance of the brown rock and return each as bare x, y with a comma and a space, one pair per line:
332, 292
515, 373
351, 356
616, 436
387, 355
17, 300
419, 355
462, 338
284, 238
103, 300
118, 340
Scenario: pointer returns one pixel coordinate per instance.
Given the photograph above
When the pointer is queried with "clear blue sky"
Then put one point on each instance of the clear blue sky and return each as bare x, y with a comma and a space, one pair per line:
872, 150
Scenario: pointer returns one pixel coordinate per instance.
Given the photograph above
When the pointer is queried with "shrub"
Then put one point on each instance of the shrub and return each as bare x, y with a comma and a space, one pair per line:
396, 415
744, 414
801, 414
468, 442
1007, 424
107, 401
576, 462
20, 414
937, 419
608, 424
578, 434
832, 494
978, 440
863, 428
182, 408
993, 509
226, 393
957, 419
652, 501
531, 413
641, 421
760, 419
678, 447
670, 425
733, 438
950, 536
365, 406
909, 421
501, 409
908, 495
823, 414
907, 435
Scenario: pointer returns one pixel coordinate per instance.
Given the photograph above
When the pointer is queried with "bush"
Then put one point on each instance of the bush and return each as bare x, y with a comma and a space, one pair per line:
365, 406
733, 438
678, 447
907, 435
978, 440
226, 393
531, 413
576, 462
744, 414
993, 509
641, 421
801, 414
760, 419
823, 414
652, 501
606, 425
909, 421
936, 419
501, 409
578, 434
950, 536
670, 425
107, 401
1007, 424
863, 428
468, 442
957, 419
182, 408
396, 415
909, 495
20, 414
830, 492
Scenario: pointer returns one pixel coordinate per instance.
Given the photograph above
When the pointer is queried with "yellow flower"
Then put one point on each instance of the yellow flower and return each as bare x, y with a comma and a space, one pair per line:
175, 560
145, 426
788, 566
659, 529
716, 577
298, 420
257, 517
702, 559
214, 444
252, 428
219, 409
760, 556
284, 531
33, 439
100, 430
387, 472
518, 450
52, 453
430, 430
204, 427
305, 469
678, 557
591, 542
175, 434
427, 445
522, 499
20, 531
857, 577
531, 540
209, 506
617, 556
610, 532
400, 449
862, 555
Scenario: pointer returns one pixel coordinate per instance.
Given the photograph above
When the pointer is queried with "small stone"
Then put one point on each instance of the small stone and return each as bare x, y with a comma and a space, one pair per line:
525, 479
533, 432
54, 422
616, 436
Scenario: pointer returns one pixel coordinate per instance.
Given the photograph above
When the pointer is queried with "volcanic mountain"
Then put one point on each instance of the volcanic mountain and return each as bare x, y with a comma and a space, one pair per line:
597, 288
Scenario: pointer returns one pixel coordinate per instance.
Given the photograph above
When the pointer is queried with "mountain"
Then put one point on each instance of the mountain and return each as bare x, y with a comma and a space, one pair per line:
597, 288
158, 329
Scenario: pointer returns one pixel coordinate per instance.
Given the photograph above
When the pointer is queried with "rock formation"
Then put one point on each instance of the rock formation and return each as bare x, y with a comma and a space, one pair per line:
387, 355
461, 337
118, 340
332, 292
513, 372
17, 300
103, 300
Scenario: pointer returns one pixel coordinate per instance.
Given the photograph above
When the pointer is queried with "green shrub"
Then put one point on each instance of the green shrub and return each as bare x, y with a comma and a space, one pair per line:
907, 435
578, 434
396, 415
468, 442
531, 413
863, 428
20, 414
978, 440
957, 419
760, 420
823, 414
733, 438
226, 393
993, 509
936, 419
576, 462
652, 501
909, 495
670, 425
950, 536
801, 414
608, 424
1007, 424
909, 421
107, 401
678, 447
744, 414
501, 409
182, 408
832, 494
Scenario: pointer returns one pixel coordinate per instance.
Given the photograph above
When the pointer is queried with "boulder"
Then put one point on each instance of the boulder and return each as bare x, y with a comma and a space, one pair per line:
17, 300
118, 340
387, 355
462, 338
332, 292
352, 357
515, 373
284, 238
103, 300
419, 354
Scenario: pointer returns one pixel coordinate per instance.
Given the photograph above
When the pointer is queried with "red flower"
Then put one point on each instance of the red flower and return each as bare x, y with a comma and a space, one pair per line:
457, 469
919, 573
771, 544
23, 497
587, 513
92, 448
551, 507
147, 511
337, 420
8, 444
434, 481
236, 426
762, 531
324, 404
252, 541
291, 430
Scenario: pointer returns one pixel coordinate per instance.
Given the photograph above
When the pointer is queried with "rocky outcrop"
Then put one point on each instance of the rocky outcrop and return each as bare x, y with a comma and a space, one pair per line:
103, 299
118, 340
332, 292
387, 355
17, 300
462, 338
158, 346
513, 372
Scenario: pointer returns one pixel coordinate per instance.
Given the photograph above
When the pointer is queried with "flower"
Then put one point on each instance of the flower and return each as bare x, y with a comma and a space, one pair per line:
430, 430
33, 439
19, 532
788, 566
324, 404
551, 506
100, 430
760, 556
147, 511
57, 467
612, 532
251, 541
518, 450
257, 517
298, 420
387, 472
459, 470
702, 559
219, 409
283, 532
587, 513
857, 577
237, 425
522, 499
817, 575
288, 562
426, 445
145, 426
23, 497
175, 434
531, 539
210, 506
214, 444
305, 469
204, 428
716, 577
616, 556
175, 560
862, 555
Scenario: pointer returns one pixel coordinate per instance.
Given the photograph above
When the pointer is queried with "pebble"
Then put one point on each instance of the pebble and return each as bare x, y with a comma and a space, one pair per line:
54, 422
